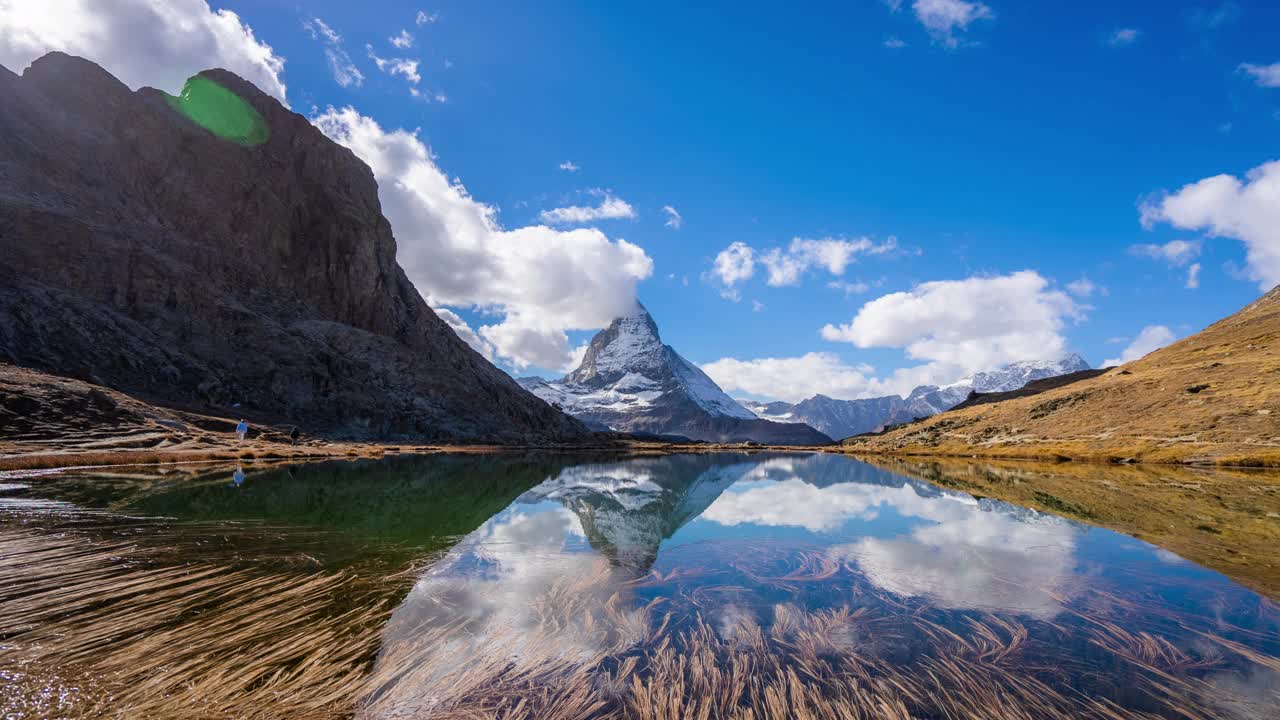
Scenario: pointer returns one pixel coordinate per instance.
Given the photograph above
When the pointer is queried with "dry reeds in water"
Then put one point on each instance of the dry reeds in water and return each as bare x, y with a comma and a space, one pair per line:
96, 628
106, 628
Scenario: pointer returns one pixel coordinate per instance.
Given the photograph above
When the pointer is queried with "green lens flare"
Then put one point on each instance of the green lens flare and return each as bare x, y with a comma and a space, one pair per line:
221, 112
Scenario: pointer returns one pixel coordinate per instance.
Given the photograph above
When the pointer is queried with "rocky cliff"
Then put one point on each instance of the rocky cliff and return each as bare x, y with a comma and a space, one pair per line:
196, 252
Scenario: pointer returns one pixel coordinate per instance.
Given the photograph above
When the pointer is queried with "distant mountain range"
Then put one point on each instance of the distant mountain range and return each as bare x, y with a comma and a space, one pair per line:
630, 381
844, 418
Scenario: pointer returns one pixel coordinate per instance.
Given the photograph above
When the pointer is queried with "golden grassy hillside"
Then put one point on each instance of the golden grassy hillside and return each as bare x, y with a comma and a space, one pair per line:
1213, 397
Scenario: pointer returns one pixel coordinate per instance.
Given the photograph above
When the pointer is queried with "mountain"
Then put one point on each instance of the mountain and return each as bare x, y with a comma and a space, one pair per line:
844, 418
630, 381
215, 250
1213, 397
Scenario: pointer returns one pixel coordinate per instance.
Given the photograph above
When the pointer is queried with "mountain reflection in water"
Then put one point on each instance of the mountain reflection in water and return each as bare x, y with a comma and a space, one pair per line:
584, 582
548, 586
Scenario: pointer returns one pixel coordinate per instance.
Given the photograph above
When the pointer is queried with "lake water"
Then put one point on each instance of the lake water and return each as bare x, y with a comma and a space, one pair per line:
689, 586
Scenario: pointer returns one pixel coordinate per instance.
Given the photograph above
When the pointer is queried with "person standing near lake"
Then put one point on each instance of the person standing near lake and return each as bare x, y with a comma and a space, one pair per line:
242, 429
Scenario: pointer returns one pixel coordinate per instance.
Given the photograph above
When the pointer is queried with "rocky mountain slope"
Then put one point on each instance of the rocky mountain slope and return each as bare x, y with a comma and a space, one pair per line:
629, 381
1213, 397
215, 250
844, 418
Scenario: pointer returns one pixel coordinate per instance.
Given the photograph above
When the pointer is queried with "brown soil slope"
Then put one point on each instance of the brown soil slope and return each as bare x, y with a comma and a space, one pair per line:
1213, 397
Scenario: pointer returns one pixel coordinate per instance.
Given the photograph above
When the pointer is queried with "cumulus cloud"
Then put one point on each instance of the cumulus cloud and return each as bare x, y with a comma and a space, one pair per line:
894, 43
155, 43
1082, 288
568, 166
1123, 37
1193, 276
792, 378
1175, 252
344, 70
464, 331
1150, 339
1264, 75
966, 325
788, 266
943, 19
674, 221
396, 66
402, 39
1245, 209
734, 264
541, 281
957, 327
610, 208
425, 18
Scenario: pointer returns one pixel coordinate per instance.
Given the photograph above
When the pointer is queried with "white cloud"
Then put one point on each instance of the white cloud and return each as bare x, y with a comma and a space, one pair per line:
610, 208
894, 43
1193, 276
1150, 339
1265, 75
396, 66
849, 288
787, 267
1247, 210
155, 43
1082, 288
425, 19
756, 306
958, 327
961, 326
674, 221
464, 331
1175, 252
944, 18
402, 40
1123, 37
792, 378
344, 70
568, 166
734, 264
540, 280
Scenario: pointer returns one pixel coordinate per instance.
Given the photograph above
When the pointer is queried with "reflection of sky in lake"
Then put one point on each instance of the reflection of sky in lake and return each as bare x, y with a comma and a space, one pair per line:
587, 549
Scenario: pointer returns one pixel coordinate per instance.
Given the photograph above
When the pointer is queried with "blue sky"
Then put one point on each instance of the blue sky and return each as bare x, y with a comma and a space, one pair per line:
984, 139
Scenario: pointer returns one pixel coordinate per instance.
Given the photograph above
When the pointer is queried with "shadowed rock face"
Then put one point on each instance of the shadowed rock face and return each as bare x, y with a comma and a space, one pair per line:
141, 251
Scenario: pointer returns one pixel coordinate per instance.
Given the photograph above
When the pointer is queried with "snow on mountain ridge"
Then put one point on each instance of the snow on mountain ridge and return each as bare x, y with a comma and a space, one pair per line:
630, 381
842, 418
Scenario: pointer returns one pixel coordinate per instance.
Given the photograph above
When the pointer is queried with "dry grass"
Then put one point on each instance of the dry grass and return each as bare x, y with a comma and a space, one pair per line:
1142, 411
109, 628
833, 664
112, 628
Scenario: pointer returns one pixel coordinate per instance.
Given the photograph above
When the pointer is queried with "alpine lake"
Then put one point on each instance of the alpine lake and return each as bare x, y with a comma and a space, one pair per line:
714, 585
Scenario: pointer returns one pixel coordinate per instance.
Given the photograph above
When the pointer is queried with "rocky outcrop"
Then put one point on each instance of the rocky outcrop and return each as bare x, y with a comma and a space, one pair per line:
141, 251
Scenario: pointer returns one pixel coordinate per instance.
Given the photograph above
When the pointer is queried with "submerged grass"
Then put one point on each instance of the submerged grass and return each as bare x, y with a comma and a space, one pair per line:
105, 624
95, 628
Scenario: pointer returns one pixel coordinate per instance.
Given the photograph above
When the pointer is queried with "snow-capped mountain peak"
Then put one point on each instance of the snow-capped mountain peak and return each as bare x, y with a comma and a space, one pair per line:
629, 380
